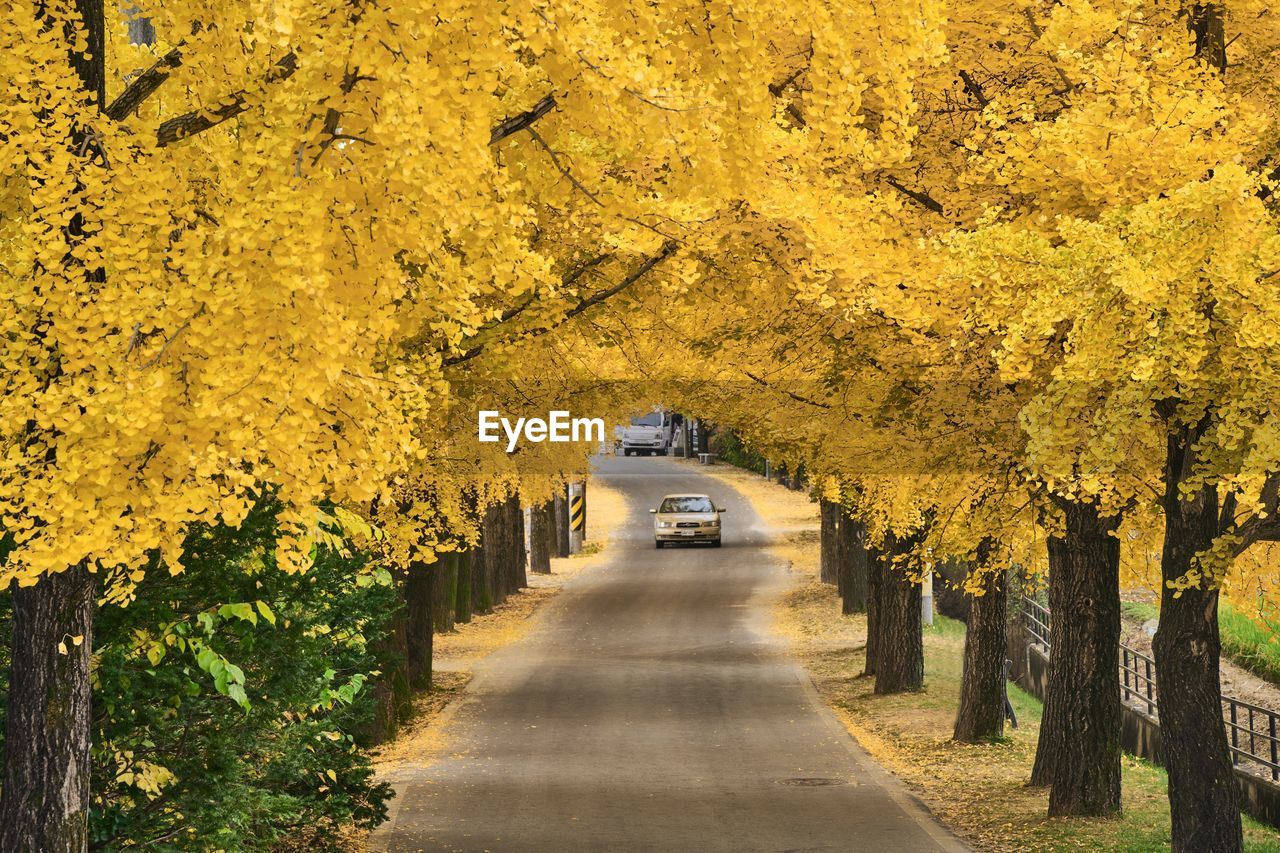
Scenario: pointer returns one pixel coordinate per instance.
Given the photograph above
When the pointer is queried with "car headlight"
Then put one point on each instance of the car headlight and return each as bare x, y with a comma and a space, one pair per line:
666, 524
715, 522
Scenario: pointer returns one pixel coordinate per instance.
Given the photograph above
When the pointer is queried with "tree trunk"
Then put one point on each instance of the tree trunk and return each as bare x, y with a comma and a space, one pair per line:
828, 566
44, 804
1078, 752
561, 524
900, 636
875, 592
462, 601
851, 559
1204, 798
393, 699
519, 554
444, 592
481, 581
540, 522
419, 603
982, 688
493, 539
44, 798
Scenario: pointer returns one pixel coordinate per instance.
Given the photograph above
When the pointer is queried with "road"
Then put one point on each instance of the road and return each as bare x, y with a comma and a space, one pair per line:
650, 710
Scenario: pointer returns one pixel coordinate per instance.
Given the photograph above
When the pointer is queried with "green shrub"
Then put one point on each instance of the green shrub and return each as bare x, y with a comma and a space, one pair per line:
728, 447
228, 699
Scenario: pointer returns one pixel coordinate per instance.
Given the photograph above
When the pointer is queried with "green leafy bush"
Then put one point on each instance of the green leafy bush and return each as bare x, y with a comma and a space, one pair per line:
229, 699
729, 447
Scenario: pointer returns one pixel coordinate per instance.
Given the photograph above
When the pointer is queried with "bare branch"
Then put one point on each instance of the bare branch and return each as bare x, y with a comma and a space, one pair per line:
144, 85
668, 249
919, 196
516, 123
564, 170
791, 394
971, 86
1037, 32
197, 121
1263, 526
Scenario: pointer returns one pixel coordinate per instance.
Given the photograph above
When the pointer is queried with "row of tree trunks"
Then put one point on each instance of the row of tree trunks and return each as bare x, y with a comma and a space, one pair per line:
541, 534
852, 558
1078, 754
438, 594
829, 514
982, 689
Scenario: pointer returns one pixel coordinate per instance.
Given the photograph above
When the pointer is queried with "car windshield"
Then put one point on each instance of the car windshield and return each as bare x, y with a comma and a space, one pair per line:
651, 419
694, 504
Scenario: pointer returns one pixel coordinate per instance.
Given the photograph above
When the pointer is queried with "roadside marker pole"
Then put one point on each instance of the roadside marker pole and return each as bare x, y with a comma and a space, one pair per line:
577, 516
926, 599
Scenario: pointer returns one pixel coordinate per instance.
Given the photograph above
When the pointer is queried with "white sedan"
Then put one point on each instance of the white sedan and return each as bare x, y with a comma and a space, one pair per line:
686, 518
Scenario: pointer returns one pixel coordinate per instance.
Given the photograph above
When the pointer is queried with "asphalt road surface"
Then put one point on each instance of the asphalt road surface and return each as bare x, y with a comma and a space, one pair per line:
650, 710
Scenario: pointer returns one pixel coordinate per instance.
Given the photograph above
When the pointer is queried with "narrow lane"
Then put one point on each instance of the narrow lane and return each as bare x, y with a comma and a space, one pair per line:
650, 710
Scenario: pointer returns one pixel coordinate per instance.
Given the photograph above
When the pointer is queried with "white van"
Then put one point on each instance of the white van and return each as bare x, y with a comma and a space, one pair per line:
648, 434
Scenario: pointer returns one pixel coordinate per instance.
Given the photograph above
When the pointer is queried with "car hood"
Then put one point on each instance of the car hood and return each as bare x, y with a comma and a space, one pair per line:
642, 432
687, 516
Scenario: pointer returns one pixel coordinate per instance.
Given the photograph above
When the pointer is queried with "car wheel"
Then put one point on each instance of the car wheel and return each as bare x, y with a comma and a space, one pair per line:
626, 451
715, 544
658, 544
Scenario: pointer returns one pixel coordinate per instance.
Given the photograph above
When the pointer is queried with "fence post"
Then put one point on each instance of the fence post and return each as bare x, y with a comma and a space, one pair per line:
1235, 735
1271, 730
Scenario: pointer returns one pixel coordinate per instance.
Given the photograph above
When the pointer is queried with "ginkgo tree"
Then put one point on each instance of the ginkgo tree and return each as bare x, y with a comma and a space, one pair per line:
1008, 264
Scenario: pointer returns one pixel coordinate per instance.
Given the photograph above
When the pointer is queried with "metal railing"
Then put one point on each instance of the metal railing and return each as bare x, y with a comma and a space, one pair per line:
1036, 619
1253, 732
1138, 679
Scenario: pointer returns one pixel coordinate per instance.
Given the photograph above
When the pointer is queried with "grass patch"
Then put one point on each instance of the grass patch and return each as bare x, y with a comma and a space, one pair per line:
1248, 644
1139, 611
1244, 642
945, 626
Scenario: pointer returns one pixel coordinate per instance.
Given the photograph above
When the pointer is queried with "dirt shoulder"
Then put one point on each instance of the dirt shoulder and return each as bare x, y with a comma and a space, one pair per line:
979, 791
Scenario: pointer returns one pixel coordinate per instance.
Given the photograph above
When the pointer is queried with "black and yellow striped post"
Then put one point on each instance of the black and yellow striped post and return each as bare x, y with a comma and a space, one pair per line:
577, 516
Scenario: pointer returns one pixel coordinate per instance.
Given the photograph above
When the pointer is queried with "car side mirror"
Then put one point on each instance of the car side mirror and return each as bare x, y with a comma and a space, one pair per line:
652, 510
721, 509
